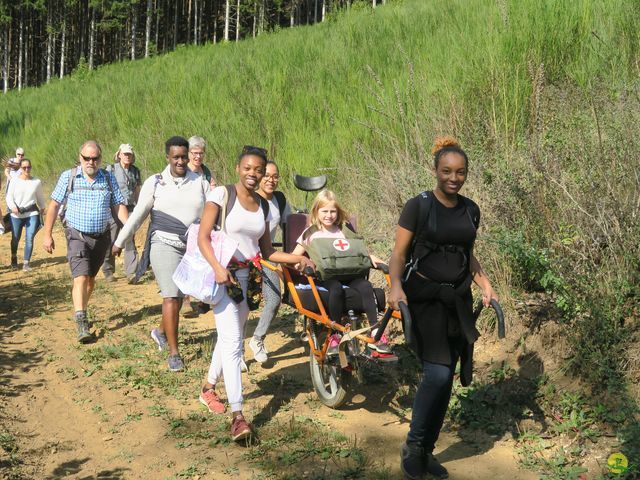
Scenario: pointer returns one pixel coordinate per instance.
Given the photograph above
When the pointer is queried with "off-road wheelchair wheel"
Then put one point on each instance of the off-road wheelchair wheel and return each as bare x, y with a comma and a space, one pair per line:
329, 380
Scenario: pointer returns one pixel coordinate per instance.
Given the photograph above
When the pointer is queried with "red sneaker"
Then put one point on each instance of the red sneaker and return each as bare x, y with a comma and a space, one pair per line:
240, 429
210, 399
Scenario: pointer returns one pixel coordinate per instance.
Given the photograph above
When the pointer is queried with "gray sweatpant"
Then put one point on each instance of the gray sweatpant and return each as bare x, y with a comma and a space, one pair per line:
271, 298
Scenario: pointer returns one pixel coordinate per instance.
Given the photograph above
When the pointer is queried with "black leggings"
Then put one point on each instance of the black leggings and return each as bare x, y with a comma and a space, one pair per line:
336, 305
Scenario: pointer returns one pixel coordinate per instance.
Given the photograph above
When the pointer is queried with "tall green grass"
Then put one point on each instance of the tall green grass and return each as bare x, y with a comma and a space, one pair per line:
306, 93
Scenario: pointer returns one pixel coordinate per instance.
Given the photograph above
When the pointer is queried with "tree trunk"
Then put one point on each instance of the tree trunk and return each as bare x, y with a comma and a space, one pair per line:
293, 11
315, 11
324, 10
255, 15
20, 51
195, 22
238, 21
26, 54
263, 7
62, 48
133, 32
175, 26
157, 41
5, 60
227, 11
147, 30
92, 37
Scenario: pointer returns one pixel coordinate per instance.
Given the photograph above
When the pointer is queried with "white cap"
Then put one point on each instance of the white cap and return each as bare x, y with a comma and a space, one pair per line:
125, 148
19, 151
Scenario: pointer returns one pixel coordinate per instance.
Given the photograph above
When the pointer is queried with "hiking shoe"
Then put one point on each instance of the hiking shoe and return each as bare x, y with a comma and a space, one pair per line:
132, 279
434, 468
240, 429
175, 363
210, 399
334, 344
82, 326
382, 346
160, 339
14, 263
109, 278
412, 461
259, 350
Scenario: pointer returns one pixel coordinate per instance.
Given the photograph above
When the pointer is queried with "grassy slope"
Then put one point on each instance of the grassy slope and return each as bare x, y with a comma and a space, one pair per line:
305, 92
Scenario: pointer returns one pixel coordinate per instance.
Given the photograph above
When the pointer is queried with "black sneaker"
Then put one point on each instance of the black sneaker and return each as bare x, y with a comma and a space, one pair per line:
434, 467
412, 461
14, 263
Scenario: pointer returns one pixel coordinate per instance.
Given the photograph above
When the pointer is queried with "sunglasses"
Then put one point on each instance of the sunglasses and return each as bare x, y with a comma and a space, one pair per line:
26, 168
91, 159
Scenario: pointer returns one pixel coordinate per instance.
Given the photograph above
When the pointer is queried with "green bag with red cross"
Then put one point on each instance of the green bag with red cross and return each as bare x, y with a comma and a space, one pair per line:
340, 258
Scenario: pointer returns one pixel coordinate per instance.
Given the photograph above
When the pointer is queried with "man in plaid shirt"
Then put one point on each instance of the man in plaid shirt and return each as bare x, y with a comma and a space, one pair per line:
92, 197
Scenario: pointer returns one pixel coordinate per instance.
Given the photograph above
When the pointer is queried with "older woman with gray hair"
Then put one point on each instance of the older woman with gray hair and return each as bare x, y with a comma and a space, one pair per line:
197, 152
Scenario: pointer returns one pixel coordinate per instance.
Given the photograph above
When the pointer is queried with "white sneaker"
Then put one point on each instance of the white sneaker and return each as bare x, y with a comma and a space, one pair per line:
259, 350
1, 229
243, 366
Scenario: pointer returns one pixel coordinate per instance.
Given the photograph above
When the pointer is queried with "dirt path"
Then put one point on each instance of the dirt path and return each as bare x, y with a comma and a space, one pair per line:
111, 410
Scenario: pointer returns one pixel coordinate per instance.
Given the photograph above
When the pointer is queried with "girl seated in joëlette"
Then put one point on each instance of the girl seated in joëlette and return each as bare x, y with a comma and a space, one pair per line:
328, 220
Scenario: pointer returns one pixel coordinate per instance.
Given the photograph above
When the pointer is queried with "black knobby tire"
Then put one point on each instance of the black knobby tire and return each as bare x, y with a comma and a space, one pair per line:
329, 380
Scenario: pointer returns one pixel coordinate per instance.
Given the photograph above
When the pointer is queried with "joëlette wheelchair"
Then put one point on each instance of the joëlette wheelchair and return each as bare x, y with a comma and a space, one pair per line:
332, 375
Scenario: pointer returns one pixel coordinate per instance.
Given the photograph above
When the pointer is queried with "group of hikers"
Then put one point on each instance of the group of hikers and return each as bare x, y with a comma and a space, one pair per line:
431, 267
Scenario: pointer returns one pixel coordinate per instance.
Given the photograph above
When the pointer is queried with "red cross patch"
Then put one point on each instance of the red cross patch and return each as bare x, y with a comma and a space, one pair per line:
341, 244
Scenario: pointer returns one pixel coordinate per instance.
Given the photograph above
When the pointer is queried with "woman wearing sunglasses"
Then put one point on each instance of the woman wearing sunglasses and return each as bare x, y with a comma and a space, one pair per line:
245, 222
26, 202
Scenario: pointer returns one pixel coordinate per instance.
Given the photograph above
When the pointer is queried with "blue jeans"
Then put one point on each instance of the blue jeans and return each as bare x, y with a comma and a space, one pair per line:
430, 404
31, 225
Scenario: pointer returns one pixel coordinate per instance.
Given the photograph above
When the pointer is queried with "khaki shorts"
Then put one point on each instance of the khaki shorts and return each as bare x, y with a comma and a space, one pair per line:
86, 252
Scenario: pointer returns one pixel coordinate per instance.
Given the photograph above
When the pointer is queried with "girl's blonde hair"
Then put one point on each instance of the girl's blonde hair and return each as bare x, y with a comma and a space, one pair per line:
323, 198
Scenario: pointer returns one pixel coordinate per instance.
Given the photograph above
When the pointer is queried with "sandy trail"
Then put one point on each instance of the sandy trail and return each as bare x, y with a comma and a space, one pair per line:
76, 419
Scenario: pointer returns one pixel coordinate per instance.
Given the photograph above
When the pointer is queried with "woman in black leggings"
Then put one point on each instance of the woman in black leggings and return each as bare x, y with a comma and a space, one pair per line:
436, 285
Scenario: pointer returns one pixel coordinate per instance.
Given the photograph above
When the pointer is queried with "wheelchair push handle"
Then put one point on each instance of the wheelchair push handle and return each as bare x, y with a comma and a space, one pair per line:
383, 324
383, 267
499, 315
406, 323
309, 271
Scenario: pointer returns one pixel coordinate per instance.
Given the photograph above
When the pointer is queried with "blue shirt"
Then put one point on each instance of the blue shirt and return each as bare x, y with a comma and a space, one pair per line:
89, 202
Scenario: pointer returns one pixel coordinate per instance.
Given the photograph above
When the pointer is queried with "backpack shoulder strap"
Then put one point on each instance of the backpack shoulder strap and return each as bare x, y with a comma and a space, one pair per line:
72, 178
473, 211
232, 194
264, 204
107, 176
228, 199
349, 232
282, 203
309, 231
426, 221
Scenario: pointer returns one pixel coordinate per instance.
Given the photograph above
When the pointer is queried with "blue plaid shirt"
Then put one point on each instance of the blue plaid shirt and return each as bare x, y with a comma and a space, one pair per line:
89, 203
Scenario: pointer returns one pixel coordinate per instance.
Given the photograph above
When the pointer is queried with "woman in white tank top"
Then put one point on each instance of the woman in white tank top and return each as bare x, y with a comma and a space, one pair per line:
246, 223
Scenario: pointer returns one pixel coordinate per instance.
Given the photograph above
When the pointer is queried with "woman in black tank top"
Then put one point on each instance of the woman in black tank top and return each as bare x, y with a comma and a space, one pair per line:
437, 289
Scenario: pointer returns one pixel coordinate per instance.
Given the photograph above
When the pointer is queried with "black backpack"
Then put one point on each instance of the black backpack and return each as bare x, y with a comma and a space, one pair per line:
420, 246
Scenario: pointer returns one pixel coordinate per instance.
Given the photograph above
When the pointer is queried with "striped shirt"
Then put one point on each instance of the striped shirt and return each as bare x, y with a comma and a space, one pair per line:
89, 202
